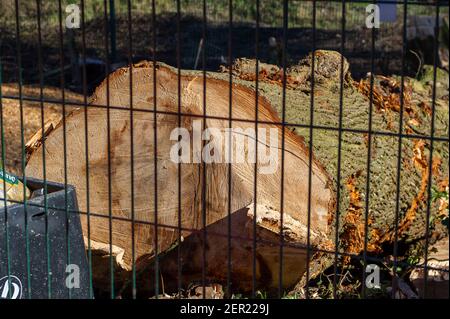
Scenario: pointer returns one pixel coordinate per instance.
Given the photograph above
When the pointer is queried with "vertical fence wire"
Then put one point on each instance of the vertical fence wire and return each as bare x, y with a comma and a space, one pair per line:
230, 123
339, 158
311, 143
283, 132
63, 104
203, 165
179, 257
130, 63
22, 141
5, 202
399, 149
255, 179
155, 151
41, 96
86, 149
430, 163
108, 137
369, 160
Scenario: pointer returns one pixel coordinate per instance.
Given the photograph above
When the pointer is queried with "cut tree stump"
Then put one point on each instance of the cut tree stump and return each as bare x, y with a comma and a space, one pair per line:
354, 155
140, 242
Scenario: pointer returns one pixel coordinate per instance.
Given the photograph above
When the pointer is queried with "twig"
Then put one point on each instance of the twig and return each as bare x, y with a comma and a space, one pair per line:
419, 69
402, 285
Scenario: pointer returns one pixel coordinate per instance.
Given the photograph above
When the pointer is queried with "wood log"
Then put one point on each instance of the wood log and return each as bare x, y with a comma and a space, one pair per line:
354, 156
130, 215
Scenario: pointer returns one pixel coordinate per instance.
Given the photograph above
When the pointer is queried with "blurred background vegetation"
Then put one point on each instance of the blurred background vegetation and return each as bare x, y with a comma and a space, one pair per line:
271, 11
388, 46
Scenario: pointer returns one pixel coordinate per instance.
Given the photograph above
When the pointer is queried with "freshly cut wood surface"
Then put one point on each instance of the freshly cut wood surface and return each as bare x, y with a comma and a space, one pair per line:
123, 165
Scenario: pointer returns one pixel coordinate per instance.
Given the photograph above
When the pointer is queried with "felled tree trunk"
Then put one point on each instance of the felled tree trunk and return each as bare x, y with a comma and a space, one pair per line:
327, 106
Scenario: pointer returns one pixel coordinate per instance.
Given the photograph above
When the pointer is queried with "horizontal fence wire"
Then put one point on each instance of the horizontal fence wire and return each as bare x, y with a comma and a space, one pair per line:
201, 116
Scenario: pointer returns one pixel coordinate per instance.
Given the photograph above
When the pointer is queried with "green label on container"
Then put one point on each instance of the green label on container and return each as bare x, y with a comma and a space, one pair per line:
10, 179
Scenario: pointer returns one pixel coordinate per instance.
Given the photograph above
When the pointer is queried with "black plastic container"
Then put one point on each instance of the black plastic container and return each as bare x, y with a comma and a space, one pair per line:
49, 237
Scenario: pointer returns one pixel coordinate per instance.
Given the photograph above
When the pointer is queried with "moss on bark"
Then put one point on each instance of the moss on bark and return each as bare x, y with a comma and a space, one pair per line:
355, 107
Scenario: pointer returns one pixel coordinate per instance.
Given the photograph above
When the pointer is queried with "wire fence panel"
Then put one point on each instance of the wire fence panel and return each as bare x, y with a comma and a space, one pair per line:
224, 149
